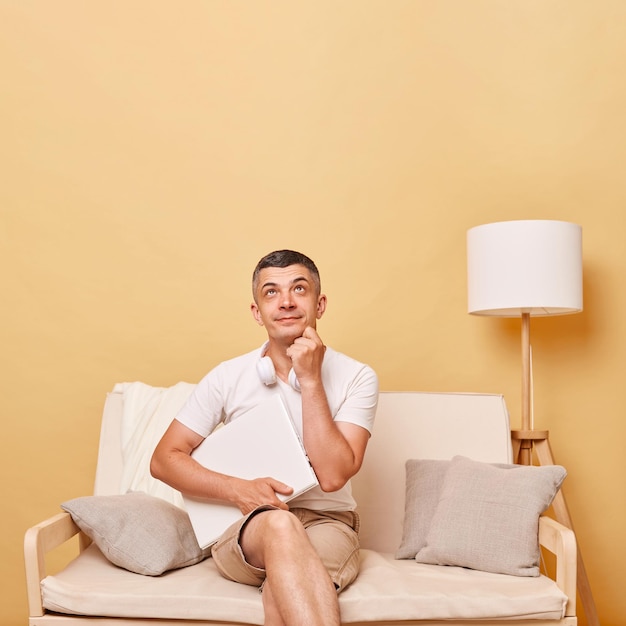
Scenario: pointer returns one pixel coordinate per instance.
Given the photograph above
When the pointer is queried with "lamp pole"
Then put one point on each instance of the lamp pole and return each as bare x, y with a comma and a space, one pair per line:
526, 445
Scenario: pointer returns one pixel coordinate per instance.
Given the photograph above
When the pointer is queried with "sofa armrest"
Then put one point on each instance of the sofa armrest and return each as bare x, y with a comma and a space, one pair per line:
561, 541
38, 541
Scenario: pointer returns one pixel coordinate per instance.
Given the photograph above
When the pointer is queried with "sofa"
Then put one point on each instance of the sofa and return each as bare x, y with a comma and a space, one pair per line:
450, 528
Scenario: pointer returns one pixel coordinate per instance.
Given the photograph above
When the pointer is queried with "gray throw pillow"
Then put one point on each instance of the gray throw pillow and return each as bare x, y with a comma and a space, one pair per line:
487, 517
424, 481
141, 533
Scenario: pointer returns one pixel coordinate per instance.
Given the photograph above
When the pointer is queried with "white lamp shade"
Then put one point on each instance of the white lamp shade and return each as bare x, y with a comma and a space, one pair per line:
526, 266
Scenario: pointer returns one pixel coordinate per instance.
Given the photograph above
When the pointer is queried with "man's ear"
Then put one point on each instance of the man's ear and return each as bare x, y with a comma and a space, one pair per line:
256, 314
321, 306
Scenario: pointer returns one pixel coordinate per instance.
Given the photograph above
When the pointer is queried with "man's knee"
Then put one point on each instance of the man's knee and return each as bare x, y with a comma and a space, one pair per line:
274, 525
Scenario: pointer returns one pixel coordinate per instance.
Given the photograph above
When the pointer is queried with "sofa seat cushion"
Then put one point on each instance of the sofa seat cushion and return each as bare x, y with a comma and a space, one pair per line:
92, 585
386, 589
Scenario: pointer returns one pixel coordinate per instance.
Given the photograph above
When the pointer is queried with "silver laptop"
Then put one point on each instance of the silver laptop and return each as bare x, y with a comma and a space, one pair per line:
261, 442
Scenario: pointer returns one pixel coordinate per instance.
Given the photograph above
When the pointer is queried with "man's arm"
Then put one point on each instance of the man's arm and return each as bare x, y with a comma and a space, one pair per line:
335, 449
172, 463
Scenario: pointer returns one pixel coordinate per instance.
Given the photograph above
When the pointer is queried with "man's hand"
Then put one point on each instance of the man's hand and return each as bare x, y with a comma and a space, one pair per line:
307, 354
250, 494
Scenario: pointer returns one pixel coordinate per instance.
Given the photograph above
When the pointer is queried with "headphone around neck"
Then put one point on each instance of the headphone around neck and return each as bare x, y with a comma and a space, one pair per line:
267, 373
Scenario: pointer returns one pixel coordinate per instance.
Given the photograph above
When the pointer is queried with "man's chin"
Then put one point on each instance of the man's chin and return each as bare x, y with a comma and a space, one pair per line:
288, 335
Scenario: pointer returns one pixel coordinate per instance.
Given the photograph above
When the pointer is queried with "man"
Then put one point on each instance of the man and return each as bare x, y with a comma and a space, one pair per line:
303, 554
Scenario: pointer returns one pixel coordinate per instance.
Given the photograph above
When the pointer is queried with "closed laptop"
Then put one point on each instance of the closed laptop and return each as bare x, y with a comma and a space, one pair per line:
261, 442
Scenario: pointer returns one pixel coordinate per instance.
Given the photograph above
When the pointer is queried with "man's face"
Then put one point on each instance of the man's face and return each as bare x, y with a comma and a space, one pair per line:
286, 302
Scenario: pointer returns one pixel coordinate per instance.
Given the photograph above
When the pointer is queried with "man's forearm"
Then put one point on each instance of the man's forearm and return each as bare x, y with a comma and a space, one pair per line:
330, 453
183, 473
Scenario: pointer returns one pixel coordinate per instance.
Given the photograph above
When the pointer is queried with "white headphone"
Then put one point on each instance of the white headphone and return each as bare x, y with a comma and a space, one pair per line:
267, 373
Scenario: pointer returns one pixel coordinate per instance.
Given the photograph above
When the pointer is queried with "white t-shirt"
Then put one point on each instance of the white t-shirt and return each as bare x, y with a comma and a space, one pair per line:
233, 387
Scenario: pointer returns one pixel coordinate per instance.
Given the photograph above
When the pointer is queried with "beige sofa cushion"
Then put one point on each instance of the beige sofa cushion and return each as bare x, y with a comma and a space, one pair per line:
487, 517
138, 532
386, 589
424, 481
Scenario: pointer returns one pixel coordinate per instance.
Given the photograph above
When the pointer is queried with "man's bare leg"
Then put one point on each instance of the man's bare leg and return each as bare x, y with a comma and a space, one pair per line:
298, 589
272, 614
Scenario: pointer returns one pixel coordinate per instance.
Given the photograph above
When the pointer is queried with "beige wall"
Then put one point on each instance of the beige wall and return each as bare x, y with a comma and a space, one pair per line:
152, 151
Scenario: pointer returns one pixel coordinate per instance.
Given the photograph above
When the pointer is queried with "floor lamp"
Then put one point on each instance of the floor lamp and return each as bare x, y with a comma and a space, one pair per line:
522, 269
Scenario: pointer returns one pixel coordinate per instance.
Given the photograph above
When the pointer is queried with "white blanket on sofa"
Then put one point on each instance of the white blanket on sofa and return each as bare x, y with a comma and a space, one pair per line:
148, 411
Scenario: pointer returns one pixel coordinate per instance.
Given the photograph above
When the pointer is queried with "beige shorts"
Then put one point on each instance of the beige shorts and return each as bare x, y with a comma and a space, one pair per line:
334, 535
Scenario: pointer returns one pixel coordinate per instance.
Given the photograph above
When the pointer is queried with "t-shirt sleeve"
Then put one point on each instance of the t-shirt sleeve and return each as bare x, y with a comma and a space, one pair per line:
203, 410
361, 400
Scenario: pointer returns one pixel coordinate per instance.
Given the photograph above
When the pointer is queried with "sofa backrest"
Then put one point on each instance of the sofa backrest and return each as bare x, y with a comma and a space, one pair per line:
409, 425
418, 425
110, 463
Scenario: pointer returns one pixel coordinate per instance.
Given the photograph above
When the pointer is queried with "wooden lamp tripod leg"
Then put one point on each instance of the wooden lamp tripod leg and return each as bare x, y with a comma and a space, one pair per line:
561, 512
523, 442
